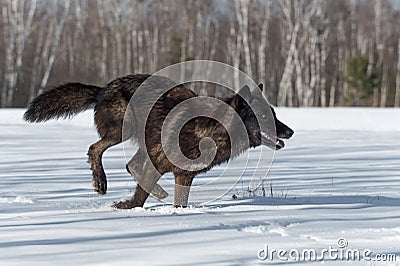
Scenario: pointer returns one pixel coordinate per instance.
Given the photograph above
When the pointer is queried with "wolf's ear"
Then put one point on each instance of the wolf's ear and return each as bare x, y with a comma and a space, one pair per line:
261, 86
244, 95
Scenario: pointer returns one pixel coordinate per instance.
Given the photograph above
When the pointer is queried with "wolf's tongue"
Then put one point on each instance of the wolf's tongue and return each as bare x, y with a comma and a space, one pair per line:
280, 143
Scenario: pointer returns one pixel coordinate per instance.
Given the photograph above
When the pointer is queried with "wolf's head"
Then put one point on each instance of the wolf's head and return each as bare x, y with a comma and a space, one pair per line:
259, 117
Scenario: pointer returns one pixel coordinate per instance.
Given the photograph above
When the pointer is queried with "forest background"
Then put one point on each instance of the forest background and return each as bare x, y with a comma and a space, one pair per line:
306, 52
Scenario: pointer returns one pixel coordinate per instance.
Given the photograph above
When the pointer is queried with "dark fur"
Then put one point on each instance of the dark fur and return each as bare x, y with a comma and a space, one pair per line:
110, 104
62, 102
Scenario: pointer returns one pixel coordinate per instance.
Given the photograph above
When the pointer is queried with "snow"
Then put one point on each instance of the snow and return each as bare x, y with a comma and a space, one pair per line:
339, 177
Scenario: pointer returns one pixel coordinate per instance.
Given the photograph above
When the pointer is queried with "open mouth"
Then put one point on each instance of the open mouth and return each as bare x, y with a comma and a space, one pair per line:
272, 142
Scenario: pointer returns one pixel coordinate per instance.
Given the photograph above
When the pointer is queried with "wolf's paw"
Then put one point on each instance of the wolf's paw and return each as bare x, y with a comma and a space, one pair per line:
126, 204
180, 206
100, 185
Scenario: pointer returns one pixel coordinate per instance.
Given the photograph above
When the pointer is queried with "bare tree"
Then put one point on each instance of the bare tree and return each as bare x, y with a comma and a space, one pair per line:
294, 18
36, 62
234, 47
103, 41
292, 31
18, 26
300, 49
242, 15
56, 38
322, 32
353, 22
10, 30
379, 44
263, 42
343, 56
397, 93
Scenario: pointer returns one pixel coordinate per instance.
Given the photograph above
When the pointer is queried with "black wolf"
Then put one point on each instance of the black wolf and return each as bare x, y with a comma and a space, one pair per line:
150, 162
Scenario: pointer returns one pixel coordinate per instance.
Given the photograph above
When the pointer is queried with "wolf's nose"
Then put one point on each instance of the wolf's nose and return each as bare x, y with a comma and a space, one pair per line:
289, 133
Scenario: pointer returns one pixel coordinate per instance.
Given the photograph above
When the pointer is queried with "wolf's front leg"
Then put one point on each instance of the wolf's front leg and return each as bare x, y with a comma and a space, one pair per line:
182, 189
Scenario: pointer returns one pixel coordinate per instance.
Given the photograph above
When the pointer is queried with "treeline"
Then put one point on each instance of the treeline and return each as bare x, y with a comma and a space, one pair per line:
307, 53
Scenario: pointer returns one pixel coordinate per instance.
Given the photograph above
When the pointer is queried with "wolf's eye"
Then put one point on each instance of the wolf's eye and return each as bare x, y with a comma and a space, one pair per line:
263, 116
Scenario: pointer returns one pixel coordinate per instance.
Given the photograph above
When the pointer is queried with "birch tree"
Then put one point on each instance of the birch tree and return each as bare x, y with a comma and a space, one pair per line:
36, 63
397, 93
295, 15
379, 44
263, 42
300, 49
103, 36
18, 27
10, 30
353, 27
343, 55
56, 39
322, 32
242, 16
234, 48
293, 27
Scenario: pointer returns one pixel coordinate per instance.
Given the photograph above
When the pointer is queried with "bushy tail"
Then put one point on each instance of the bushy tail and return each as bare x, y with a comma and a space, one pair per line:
63, 101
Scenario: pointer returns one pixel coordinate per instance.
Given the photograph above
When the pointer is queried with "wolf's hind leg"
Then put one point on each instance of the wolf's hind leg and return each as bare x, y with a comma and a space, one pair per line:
95, 153
145, 183
136, 166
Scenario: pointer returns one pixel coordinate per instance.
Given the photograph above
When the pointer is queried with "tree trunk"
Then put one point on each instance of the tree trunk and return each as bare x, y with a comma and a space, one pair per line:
342, 57
140, 51
324, 57
104, 43
332, 92
155, 44
397, 93
242, 15
353, 26
36, 66
285, 83
313, 69
385, 83
234, 48
10, 28
263, 43
379, 46
57, 34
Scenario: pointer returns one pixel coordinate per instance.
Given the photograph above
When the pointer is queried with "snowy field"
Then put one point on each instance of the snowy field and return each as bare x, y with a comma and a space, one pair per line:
338, 178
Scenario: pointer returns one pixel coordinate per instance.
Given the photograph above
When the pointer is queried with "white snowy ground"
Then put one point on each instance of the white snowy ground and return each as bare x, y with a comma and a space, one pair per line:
339, 177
